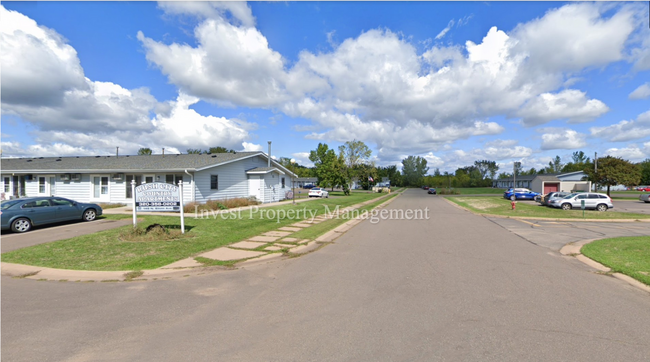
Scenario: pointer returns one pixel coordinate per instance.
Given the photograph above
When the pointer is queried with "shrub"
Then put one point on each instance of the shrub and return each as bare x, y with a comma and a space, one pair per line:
221, 204
448, 191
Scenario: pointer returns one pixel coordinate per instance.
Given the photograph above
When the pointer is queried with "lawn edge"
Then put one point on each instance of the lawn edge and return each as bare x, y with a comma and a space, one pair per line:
542, 218
574, 249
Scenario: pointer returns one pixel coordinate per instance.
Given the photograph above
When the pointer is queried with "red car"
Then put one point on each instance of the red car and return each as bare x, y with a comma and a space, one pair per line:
643, 188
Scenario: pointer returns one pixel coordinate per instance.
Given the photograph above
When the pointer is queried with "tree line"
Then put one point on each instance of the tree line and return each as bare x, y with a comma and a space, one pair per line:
353, 162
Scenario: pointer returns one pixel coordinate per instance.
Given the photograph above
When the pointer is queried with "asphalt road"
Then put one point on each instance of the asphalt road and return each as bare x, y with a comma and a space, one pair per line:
456, 287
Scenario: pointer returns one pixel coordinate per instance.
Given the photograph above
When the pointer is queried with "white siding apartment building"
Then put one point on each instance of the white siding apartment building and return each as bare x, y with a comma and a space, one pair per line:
108, 178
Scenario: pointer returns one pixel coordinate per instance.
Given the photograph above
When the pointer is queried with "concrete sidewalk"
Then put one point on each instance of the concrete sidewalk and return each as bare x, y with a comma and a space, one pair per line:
271, 245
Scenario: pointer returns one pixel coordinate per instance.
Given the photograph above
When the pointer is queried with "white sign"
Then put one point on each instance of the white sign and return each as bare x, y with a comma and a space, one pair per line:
157, 196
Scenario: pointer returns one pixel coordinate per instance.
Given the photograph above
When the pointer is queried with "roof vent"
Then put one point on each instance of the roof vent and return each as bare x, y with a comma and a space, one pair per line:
58, 159
214, 156
40, 158
29, 160
97, 156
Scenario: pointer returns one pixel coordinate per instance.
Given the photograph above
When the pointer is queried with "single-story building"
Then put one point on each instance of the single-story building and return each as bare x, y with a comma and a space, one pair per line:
545, 183
107, 179
301, 182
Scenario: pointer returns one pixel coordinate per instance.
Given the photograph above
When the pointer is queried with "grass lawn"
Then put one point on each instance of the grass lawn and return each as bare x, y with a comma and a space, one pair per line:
626, 255
480, 190
106, 250
500, 206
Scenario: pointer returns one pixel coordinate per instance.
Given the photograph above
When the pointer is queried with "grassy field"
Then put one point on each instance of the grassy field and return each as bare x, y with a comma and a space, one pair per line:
499, 206
626, 255
109, 250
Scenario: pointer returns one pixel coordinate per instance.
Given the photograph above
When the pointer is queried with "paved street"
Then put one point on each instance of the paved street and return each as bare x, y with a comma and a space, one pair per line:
455, 287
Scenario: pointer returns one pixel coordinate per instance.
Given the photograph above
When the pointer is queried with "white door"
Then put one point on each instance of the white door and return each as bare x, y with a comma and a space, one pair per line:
255, 186
100, 188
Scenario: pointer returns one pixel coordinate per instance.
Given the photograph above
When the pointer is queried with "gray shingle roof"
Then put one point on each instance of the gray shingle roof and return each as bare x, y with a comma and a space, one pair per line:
172, 162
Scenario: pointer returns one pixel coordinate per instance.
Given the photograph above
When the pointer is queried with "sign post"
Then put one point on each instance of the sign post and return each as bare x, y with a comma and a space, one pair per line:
135, 219
157, 197
180, 186
582, 206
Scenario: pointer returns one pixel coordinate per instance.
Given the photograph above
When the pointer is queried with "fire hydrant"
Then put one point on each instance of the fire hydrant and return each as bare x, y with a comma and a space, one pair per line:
513, 204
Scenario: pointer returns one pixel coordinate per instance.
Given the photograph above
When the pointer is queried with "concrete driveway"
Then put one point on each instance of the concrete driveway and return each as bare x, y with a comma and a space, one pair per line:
46, 234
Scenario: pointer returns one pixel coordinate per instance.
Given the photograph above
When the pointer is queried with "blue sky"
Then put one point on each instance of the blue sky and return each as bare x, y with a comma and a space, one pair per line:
453, 82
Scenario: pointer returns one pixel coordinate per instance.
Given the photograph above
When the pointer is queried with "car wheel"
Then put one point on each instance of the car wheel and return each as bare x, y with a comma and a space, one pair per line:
513, 198
601, 207
566, 207
89, 215
327, 196
21, 225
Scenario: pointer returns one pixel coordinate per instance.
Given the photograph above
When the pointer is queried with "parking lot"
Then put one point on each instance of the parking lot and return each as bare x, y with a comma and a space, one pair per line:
12, 241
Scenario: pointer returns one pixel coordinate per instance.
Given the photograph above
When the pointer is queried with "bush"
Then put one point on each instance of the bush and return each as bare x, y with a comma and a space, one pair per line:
448, 191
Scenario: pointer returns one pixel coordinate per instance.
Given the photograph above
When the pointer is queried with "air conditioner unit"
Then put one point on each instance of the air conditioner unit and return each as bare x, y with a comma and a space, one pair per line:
118, 177
75, 177
65, 177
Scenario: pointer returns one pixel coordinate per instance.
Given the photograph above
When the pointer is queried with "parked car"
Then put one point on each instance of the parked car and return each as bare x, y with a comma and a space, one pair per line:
593, 200
308, 186
425, 187
643, 188
645, 198
545, 199
520, 194
318, 192
20, 215
432, 191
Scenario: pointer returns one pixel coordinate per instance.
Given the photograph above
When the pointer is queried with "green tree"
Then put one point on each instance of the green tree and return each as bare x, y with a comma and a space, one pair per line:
392, 173
555, 165
614, 171
578, 162
220, 149
645, 172
414, 168
486, 168
194, 151
144, 151
326, 165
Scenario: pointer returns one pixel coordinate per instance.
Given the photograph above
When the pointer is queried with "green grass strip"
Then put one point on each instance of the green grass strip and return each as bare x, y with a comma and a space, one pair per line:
626, 255
105, 250
498, 206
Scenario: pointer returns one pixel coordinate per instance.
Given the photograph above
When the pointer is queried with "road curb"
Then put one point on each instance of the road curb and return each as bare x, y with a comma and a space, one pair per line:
574, 250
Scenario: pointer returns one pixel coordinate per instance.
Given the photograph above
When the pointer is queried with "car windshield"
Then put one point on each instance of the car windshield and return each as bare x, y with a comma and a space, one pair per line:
315, 189
9, 203
570, 195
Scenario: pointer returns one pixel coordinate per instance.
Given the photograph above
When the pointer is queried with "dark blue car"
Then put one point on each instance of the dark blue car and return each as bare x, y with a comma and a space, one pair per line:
520, 194
21, 215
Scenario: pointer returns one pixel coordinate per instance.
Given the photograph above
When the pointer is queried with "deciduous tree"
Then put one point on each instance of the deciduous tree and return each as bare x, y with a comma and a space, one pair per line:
614, 171
414, 168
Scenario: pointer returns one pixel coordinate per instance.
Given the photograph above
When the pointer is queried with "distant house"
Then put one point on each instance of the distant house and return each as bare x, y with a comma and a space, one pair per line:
108, 178
545, 183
